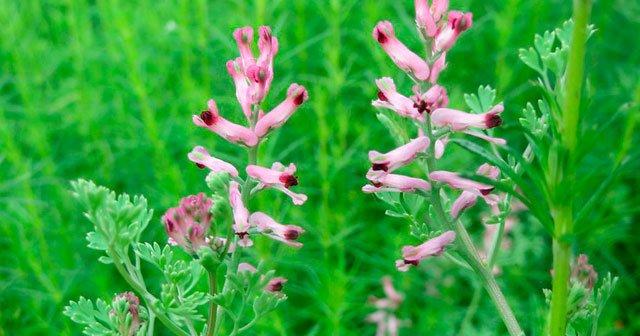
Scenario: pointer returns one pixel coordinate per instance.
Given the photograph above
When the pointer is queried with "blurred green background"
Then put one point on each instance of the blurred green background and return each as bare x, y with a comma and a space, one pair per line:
105, 89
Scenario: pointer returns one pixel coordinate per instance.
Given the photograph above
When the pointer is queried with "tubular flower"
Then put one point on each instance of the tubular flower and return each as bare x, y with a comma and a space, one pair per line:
187, 224
211, 119
389, 98
471, 191
202, 159
457, 23
275, 285
412, 255
277, 177
244, 39
440, 145
384, 316
382, 181
435, 98
258, 77
236, 71
400, 156
240, 215
460, 121
455, 181
399, 53
287, 234
296, 95
427, 17
268, 46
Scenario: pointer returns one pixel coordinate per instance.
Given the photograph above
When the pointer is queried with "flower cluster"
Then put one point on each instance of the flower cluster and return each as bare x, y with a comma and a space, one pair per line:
427, 108
385, 315
189, 224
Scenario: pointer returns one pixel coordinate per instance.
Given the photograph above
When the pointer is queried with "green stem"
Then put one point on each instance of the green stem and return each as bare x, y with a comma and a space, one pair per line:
213, 290
468, 249
563, 213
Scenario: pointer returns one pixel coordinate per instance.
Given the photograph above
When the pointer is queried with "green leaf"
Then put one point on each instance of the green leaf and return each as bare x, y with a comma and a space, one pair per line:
531, 59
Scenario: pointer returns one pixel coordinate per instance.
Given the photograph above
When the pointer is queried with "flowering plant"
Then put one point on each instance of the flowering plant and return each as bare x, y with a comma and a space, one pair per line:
434, 124
239, 293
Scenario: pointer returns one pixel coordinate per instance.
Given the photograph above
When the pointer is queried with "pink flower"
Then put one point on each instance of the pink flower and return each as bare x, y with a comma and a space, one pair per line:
471, 191
399, 53
458, 22
460, 121
427, 17
296, 95
435, 98
439, 65
240, 215
400, 156
236, 71
275, 285
202, 159
412, 255
246, 267
268, 45
259, 78
187, 224
382, 181
287, 234
389, 98
455, 181
278, 177
583, 272
440, 146
244, 39
212, 120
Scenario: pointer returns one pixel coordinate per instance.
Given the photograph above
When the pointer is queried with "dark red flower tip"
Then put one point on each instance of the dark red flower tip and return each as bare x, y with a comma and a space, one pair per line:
241, 235
288, 180
487, 191
376, 184
380, 166
411, 262
200, 165
291, 234
208, 117
275, 286
299, 99
422, 106
493, 120
382, 97
380, 36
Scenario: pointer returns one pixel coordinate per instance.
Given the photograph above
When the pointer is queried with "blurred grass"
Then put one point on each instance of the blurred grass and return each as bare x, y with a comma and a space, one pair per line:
104, 90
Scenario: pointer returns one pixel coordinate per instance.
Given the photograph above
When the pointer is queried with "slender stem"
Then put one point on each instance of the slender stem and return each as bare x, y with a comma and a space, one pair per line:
252, 154
213, 290
563, 213
466, 244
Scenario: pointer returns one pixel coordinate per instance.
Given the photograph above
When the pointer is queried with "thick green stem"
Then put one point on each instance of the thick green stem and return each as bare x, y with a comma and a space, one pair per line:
561, 270
563, 213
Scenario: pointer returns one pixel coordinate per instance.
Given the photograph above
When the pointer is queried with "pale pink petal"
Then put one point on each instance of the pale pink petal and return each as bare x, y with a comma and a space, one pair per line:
296, 95
460, 121
404, 58
201, 157
400, 156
